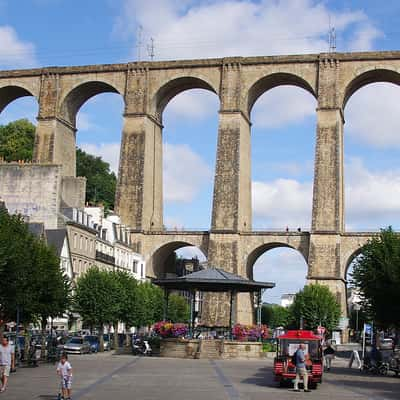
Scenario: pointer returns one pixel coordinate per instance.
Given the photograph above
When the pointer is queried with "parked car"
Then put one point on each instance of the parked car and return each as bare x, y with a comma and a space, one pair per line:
93, 342
77, 345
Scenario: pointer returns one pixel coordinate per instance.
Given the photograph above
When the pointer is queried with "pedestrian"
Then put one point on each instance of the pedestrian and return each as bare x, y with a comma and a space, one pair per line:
329, 355
64, 371
301, 370
6, 362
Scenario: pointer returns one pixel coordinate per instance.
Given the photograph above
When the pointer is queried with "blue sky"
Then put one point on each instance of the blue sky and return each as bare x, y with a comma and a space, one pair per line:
67, 32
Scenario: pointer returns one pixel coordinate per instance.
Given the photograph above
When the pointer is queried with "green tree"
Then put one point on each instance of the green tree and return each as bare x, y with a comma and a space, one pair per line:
376, 274
16, 143
127, 301
97, 299
274, 315
150, 304
101, 182
317, 306
178, 309
50, 285
16, 140
32, 283
17, 269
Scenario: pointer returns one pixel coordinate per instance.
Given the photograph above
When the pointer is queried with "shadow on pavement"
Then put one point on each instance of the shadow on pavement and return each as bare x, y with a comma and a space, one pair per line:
385, 387
382, 387
263, 377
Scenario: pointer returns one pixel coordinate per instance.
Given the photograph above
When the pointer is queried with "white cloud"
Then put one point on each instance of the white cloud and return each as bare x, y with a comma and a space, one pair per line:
109, 152
193, 105
84, 122
364, 37
372, 115
185, 173
15, 53
188, 29
281, 203
283, 106
286, 267
372, 198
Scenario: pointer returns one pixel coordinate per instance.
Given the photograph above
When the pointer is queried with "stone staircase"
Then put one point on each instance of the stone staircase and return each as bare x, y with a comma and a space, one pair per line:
209, 349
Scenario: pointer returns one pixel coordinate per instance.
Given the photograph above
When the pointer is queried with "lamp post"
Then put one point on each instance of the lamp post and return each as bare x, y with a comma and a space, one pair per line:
357, 308
18, 350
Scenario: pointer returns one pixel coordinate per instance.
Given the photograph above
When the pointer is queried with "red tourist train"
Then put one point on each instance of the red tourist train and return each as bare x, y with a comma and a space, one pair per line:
288, 343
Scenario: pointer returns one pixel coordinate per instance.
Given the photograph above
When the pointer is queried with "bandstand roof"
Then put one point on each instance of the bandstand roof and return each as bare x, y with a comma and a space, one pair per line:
213, 280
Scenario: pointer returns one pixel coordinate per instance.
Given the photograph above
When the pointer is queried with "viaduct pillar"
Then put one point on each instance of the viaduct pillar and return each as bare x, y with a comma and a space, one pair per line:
139, 196
55, 137
328, 196
231, 212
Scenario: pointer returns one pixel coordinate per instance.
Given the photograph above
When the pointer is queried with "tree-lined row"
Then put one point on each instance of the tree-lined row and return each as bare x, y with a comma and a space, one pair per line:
32, 285
104, 298
33, 288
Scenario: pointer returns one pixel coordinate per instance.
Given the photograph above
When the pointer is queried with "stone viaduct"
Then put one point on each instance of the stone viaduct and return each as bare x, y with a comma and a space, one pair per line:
147, 87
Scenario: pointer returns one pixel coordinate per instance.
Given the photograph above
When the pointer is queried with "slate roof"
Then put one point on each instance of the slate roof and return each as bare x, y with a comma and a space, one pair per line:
213, 280
36, 228
56, 237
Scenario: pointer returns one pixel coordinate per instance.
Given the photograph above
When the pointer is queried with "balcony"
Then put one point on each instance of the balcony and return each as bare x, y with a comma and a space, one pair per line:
105, 258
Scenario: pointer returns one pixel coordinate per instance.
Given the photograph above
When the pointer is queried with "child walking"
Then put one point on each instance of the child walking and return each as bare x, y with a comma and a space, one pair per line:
64, 371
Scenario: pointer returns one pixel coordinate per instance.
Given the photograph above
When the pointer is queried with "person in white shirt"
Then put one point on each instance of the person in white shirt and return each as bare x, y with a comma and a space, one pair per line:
6, 361
64, 371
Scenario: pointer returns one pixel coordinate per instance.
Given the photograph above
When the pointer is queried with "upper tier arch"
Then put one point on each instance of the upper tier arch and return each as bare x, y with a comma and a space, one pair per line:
10, 93
368, 77
273, 80
77, 96
175, 86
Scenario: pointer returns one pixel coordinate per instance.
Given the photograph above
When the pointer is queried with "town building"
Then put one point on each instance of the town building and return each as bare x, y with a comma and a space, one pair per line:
113, 243
82, 237
287, 299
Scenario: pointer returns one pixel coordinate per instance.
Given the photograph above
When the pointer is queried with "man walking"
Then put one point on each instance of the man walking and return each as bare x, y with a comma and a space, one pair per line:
301, 370
6, 361
329, 355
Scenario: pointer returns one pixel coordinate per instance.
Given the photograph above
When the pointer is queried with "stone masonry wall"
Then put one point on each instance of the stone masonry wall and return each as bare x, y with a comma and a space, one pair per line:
32, 190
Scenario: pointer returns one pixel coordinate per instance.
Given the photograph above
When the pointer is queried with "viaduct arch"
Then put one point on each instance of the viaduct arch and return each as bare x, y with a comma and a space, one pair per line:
147, 87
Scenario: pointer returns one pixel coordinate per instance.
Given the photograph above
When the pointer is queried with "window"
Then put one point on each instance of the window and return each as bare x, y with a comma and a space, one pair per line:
81, 242
141, 270
75, 240
135, 266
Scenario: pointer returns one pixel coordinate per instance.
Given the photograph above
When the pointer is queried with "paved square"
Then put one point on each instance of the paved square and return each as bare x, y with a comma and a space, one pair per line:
105, 377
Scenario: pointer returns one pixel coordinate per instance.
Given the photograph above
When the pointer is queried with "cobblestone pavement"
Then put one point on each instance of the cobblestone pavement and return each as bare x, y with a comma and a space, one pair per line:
105, 376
